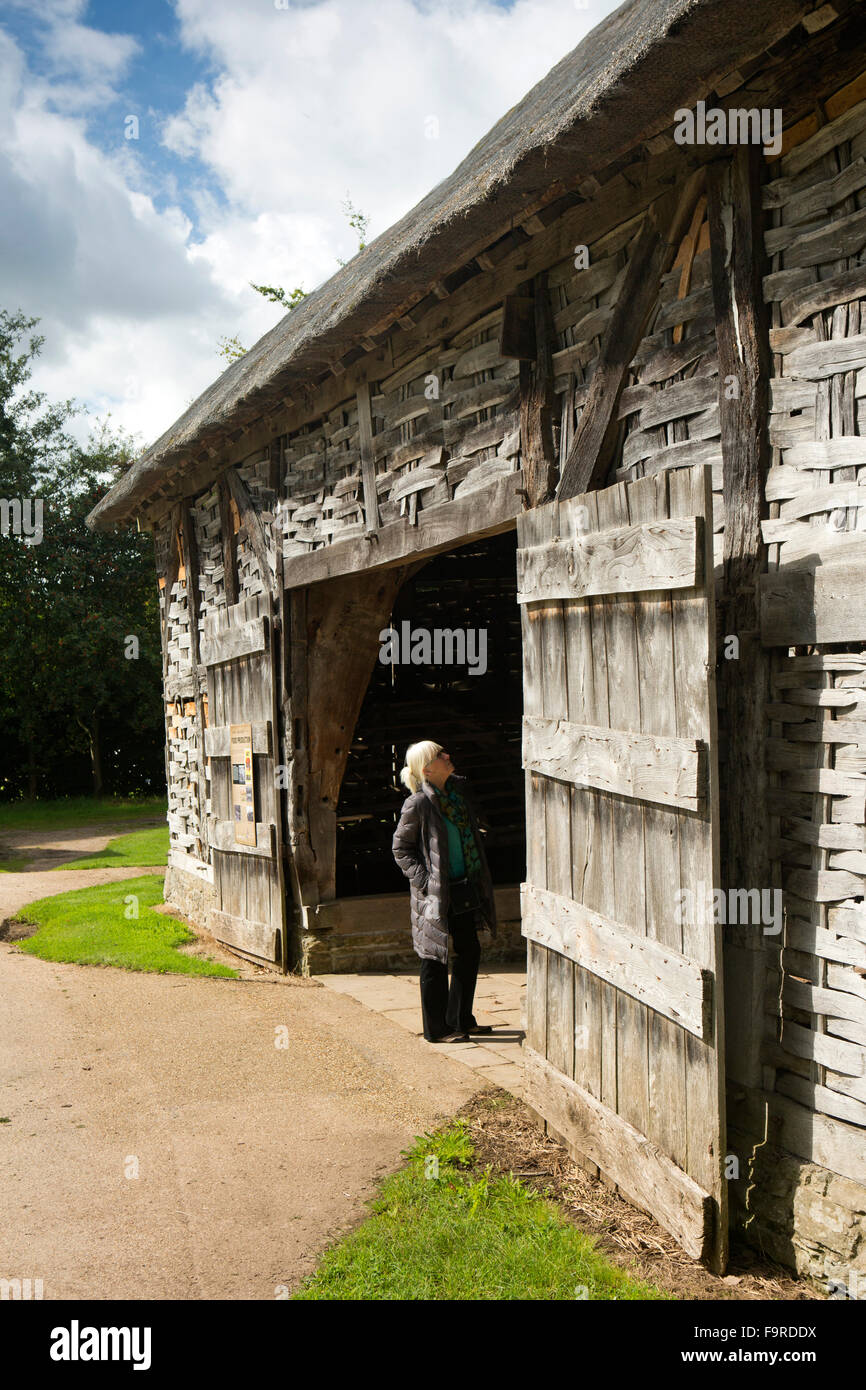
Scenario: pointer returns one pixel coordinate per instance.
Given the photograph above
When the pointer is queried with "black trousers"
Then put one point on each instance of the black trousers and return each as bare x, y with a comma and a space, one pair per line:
449, 1010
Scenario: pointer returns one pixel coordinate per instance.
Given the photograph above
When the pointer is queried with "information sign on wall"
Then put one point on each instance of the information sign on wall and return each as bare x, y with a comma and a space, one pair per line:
243, 791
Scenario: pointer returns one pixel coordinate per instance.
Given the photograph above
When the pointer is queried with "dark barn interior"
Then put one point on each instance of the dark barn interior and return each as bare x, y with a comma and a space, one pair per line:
476, 717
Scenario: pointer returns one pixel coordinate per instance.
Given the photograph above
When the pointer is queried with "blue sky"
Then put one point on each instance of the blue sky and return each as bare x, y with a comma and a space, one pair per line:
256, 119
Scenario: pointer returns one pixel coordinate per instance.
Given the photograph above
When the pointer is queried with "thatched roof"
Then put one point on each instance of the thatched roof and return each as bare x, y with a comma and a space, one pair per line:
625, 79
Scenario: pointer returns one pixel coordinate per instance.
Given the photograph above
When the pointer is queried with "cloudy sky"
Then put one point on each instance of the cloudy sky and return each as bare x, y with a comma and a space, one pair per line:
158, 155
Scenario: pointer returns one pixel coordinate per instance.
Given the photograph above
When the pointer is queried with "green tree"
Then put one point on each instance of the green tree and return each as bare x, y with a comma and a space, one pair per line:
70, 598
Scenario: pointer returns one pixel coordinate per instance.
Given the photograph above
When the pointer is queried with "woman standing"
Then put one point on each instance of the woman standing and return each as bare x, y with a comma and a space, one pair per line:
438, 846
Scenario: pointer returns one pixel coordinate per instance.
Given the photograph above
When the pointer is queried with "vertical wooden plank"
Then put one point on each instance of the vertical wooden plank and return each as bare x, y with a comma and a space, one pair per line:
598, 878
586, 989
560, 970
278, 909
530, 532
281, 704
666, 1061
695, 693
190, 564
581, 710
624, 704
536, 996
536, 402
227, 532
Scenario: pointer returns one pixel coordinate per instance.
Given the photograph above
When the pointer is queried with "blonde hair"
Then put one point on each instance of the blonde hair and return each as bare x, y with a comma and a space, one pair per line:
418, 755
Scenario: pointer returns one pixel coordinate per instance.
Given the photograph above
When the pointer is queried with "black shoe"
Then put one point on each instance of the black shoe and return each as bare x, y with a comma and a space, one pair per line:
480, 1028
450, 1038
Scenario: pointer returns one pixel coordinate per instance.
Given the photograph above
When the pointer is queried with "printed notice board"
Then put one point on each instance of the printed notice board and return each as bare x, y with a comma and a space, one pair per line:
243, 791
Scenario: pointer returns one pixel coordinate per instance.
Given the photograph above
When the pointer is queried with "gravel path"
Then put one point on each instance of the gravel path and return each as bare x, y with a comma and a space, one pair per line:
250, 1157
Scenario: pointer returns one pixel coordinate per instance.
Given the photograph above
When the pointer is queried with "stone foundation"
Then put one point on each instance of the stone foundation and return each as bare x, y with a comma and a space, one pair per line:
193, 896
804, 1216
358, 934
390, 948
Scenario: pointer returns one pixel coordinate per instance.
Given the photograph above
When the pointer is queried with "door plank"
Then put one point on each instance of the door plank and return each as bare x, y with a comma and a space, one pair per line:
239, 641
666, 1124
629, 852
647, 1176
619, 560
640, 766
646, 970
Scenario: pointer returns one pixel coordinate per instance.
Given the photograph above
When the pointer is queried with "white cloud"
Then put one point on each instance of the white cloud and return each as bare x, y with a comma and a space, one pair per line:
311, 101
306, 105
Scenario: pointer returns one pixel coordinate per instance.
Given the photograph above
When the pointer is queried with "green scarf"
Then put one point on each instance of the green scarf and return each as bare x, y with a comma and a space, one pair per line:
454, 808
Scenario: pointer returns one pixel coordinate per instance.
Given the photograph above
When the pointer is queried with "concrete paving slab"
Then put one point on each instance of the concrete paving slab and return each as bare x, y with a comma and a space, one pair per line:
499, 1000
509, 1078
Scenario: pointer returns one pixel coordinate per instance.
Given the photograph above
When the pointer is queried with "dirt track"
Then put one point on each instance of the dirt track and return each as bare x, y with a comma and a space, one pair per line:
251, 1158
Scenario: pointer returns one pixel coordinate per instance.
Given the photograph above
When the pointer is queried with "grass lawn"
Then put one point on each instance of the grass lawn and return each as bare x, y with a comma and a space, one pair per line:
77, 810
139, 849
440, 1231
89, 927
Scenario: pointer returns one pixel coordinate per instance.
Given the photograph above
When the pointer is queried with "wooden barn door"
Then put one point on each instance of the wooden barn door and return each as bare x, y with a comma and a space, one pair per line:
239, 652
624, 1046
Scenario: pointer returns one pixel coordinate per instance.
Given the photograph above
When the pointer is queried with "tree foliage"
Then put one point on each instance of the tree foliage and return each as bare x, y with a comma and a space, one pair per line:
80, 702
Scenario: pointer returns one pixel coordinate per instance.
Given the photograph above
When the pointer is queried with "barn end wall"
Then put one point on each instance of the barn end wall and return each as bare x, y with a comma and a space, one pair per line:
803, 1127
797, 1120
796, 1002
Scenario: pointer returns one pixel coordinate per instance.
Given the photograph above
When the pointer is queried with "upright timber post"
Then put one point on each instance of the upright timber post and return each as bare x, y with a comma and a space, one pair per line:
536, 403
736, 247
343, 622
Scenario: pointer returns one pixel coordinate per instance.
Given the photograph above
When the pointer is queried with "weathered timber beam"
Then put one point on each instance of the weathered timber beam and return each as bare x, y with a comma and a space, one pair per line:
661, 232
646, 1175
190, 565
294, 705
737, 257
250, 938
647, 970
537, 453
242, 640
647, 767
251, 520
368, 461
630, 559
800, 607
344, 619
172, 570
482, 513
229, 547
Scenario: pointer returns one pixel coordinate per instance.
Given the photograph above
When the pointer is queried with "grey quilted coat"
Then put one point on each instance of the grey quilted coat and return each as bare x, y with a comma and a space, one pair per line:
420, 847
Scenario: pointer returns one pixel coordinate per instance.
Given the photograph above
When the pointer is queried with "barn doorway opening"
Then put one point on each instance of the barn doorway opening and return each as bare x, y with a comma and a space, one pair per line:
475, 714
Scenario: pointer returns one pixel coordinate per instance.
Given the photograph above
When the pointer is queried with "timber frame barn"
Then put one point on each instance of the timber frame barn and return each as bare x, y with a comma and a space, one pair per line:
603, 393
